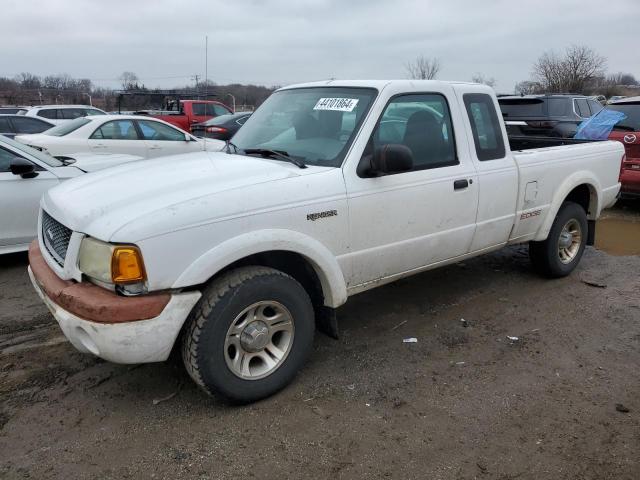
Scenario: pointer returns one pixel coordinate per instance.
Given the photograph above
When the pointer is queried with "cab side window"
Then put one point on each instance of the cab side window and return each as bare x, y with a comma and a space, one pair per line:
422, 123
485, 126
219, 110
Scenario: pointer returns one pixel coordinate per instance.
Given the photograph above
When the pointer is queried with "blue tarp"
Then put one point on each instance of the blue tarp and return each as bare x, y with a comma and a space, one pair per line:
599, 126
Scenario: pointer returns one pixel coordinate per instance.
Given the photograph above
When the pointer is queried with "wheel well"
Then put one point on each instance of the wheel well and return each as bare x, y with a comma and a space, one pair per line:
291, 263
585, 196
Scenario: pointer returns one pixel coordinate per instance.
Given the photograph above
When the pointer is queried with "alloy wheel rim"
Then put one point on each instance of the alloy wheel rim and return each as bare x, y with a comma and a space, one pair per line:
569, 241
259, 340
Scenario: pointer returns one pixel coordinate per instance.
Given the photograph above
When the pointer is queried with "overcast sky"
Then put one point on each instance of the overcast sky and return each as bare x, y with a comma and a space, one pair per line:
278, 42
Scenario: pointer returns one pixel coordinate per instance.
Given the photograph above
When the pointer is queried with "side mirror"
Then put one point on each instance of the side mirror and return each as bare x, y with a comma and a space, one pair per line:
187, 137
22, 167
387, 159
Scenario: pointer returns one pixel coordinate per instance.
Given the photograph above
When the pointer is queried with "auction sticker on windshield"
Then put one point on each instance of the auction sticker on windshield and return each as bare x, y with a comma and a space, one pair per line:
337, 104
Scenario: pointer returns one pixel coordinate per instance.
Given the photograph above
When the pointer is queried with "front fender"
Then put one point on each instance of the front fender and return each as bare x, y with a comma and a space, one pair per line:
574, 180
323, 261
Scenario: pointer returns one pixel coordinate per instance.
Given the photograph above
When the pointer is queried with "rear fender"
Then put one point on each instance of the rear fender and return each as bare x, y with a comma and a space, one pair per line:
574, 180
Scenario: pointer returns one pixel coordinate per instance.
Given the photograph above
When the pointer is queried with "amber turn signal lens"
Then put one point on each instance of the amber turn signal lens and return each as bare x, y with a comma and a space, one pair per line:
126, 265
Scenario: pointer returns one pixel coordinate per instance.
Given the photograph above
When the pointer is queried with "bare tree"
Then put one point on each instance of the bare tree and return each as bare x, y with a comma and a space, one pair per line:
570, 72
621, 79
528, 87
423, 68
129, 80
480, 78
28, 80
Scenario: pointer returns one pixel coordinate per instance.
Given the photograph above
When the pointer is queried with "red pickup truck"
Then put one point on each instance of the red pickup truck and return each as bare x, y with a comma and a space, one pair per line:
187, 112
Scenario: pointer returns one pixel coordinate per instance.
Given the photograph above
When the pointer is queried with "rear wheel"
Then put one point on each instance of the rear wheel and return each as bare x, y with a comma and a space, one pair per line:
250, 333
561, 252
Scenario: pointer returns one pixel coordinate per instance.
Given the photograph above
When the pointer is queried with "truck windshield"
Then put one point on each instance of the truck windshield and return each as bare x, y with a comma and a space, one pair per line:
315, 124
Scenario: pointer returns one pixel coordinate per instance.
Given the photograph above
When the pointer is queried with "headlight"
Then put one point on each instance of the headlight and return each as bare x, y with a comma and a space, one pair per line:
117, 264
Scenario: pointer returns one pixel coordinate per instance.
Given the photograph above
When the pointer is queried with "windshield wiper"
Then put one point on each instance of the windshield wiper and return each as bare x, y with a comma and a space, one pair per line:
231, 144
265, 152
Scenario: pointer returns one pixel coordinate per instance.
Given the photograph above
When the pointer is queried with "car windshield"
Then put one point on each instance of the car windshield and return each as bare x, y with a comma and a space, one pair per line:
43, 157
67, 127
315, 125
632, 120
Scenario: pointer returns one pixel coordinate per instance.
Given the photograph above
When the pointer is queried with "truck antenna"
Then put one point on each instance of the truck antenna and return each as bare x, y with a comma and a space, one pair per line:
206, 81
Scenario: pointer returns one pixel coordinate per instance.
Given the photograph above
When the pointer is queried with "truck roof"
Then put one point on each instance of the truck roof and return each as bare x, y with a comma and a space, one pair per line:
377, 84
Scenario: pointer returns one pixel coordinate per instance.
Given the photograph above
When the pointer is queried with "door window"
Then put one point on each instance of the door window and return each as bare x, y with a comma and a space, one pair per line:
422, 123
209, 109
595, 106
6, 156
220, 110
92, 111
49, 113
582, 108
487, 135
116, 130
159, 131
72, 113
5, 127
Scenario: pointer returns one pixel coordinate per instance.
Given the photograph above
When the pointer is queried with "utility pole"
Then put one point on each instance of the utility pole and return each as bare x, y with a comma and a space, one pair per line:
195, 78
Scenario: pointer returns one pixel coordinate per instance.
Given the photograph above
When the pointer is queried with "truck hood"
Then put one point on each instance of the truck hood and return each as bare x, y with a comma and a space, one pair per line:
155, 196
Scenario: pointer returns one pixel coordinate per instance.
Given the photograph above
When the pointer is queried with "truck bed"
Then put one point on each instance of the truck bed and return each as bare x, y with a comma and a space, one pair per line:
522, 142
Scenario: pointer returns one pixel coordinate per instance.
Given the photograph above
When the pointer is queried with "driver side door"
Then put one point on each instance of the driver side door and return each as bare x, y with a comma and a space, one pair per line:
405, 221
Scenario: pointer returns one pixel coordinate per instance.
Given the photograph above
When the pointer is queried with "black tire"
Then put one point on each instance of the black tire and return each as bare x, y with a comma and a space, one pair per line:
545, 256
203, 344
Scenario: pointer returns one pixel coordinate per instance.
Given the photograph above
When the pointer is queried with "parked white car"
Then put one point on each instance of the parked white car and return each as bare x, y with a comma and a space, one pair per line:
136, 135
58, 114
241, 255
25, 174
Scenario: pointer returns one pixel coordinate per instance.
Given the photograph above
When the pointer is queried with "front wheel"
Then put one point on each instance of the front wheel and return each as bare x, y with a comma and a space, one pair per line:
561, 252
250, 333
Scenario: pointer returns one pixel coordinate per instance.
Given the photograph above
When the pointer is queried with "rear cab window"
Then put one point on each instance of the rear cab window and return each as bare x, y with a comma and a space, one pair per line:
485, 126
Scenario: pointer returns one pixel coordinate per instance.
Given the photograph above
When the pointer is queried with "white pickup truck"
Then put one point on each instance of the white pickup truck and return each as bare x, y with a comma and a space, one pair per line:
328, 190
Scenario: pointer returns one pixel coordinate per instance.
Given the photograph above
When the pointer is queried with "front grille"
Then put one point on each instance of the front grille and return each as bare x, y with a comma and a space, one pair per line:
56, 237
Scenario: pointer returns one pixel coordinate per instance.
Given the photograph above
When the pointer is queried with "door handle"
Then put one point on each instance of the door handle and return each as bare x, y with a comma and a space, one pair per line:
460, 184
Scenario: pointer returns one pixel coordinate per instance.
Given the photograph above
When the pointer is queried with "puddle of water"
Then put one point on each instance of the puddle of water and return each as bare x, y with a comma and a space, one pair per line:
618, 236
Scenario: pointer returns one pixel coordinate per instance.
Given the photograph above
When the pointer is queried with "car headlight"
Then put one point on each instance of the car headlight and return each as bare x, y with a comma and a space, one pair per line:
108, 263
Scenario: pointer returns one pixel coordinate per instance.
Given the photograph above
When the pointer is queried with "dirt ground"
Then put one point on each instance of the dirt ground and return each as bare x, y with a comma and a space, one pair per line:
463, 402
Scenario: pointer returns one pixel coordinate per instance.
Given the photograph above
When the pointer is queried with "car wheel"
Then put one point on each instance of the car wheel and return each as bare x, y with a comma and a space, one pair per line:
561, 252
249, 334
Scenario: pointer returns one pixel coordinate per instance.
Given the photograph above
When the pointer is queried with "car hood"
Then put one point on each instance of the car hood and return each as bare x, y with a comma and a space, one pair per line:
151, 197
